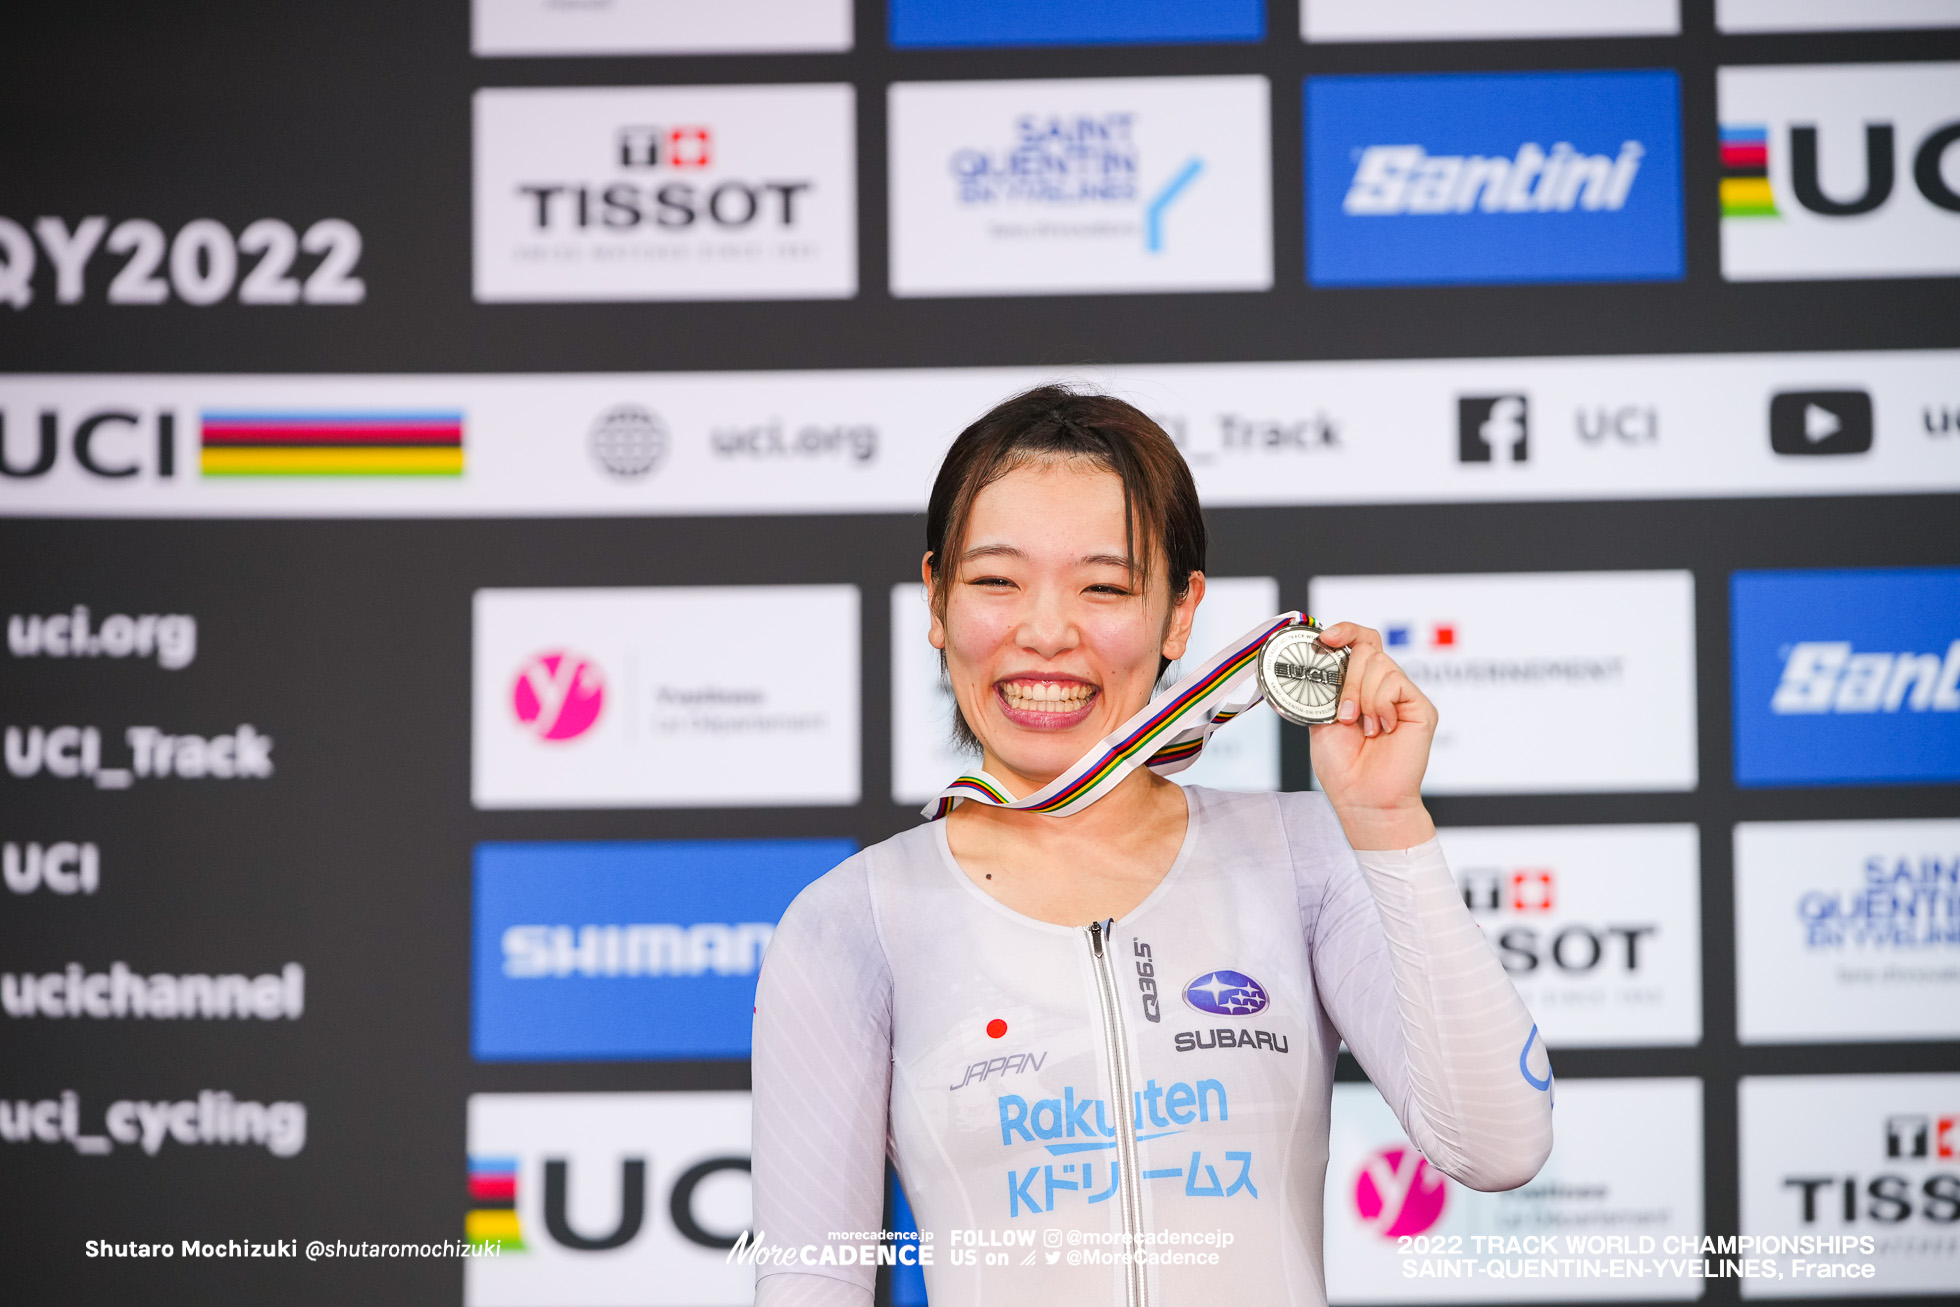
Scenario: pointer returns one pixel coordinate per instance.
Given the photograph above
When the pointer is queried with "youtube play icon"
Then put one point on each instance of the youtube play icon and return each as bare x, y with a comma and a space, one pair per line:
1820, 422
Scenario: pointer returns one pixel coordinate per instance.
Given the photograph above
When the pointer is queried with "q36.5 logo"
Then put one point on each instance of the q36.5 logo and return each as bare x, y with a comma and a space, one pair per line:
558, 694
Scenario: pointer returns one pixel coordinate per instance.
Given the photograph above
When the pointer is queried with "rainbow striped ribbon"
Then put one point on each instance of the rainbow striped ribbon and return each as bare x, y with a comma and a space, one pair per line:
1167, 735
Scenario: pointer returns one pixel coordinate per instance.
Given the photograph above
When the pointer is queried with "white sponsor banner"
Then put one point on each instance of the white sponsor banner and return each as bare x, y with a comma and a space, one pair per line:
1599, 927
1547, 683
1624, 1177
1875, 1159
1847, 930
1439, 20
1096, 185
1242, 756
709, 696
1864, 171
1256, 434
665, 193
599, 1181
610, 27
1833, 15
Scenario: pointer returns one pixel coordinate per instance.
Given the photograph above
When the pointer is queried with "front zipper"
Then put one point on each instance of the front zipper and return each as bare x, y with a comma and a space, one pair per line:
1116, 1049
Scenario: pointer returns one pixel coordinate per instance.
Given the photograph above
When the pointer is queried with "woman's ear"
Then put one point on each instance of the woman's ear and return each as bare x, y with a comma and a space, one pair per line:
1177, 630
937, 634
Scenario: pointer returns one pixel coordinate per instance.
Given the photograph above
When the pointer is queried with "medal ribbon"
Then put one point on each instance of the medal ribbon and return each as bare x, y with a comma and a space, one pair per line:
1166, 736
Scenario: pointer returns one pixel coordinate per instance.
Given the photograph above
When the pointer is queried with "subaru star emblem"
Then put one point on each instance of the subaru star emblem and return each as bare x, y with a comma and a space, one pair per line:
1226, 994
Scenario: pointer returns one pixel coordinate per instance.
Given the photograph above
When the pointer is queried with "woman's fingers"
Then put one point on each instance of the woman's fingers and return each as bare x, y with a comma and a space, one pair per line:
1375, 689
1362, 643
1378, 692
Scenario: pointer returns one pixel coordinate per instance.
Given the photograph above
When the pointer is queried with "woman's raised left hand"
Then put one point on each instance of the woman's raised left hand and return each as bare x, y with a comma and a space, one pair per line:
1371, 760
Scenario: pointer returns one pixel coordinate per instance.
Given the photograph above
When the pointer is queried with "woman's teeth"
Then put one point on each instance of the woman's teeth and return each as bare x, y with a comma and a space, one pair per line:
1047, 696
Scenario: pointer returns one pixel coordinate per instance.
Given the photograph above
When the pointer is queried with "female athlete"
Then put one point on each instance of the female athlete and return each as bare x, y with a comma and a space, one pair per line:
1103, 1038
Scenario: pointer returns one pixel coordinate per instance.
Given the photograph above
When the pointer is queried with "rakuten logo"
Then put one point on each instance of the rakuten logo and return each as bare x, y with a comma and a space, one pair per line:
559, 695
1826, 676
1399, 1193
1406, 179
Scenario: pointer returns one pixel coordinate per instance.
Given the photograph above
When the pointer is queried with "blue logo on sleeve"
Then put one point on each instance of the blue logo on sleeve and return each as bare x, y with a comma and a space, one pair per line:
1846, 677
1486, 178
928, 23
641, 950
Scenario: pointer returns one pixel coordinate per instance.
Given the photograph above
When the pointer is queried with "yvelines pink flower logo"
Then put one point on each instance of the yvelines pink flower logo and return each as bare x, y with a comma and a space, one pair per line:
559, 694
1398, 1192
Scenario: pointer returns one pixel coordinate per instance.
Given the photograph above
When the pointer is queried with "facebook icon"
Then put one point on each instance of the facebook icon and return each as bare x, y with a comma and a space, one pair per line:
1488, 424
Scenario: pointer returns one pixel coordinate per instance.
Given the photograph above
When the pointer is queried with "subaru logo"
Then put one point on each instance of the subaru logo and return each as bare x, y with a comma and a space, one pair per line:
1226, 994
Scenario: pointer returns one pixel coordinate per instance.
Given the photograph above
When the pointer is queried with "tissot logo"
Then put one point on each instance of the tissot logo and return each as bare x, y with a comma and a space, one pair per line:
1917, 1135
667, 193
1567, 947
1820, 422
666, 147
1493, 426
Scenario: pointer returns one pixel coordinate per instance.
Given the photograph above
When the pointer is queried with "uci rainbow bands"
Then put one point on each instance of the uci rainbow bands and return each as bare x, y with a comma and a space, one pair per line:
1167, 735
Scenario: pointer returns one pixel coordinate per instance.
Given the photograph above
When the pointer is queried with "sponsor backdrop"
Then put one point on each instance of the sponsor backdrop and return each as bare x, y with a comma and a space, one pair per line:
461, 476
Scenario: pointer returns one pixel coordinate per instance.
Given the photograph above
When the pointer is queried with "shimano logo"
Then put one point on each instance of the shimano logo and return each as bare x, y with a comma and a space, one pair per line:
1826, 676
706, 948
1392, 180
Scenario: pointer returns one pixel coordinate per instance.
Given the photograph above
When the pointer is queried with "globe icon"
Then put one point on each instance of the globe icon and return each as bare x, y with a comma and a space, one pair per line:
628, 441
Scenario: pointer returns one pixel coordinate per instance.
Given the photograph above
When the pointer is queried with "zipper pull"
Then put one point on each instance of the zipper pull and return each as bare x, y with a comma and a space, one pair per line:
1096, 938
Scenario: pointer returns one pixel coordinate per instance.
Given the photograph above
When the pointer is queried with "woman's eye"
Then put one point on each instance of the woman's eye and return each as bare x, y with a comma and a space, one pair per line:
1108, 590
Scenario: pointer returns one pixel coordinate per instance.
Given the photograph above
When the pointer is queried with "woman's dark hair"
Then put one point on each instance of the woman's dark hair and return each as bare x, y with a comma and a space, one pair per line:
1160, 500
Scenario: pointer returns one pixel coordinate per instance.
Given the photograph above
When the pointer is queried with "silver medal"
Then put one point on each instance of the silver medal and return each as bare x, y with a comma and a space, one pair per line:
1301, 677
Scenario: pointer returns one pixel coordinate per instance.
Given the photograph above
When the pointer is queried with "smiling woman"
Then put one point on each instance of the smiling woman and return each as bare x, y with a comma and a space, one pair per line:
1020, 1005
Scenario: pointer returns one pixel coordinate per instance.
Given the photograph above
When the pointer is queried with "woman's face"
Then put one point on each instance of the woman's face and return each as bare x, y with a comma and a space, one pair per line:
1048, 642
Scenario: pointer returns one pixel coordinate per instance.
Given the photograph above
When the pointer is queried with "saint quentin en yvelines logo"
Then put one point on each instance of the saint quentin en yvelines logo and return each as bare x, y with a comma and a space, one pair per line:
558, 694
1399, 1193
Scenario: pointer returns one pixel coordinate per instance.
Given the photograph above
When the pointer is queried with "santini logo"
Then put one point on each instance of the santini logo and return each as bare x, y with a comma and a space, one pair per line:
1827, 677
1406, 179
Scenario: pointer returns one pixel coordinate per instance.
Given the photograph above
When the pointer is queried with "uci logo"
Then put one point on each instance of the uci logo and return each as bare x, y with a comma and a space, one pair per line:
494, 1205
112, 443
